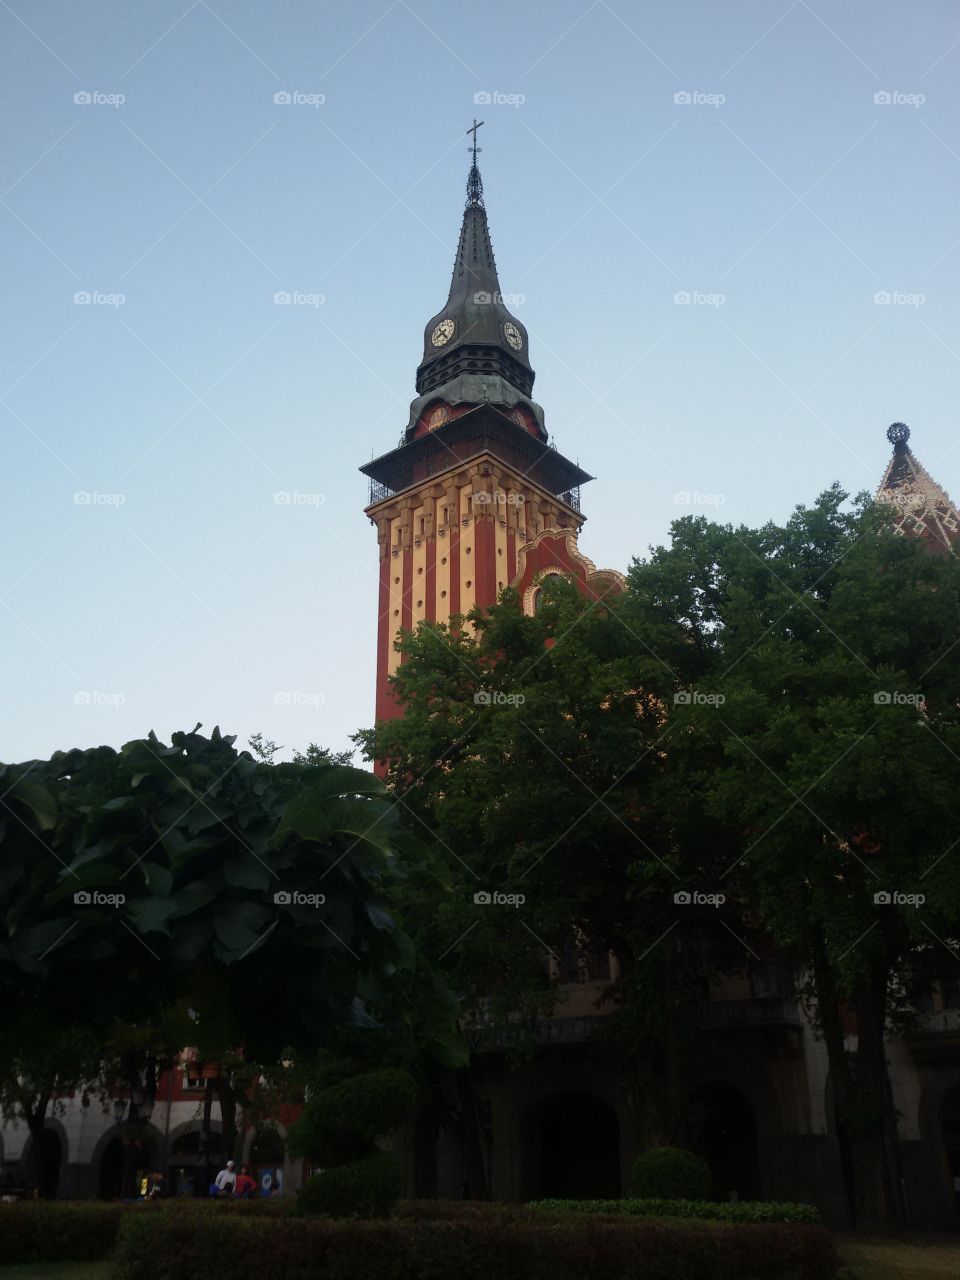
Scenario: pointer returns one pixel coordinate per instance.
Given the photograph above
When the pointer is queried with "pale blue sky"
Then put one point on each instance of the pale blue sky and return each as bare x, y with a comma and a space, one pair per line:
782, 186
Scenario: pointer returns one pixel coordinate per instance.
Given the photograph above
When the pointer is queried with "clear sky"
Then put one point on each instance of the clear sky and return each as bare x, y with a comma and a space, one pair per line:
738, 154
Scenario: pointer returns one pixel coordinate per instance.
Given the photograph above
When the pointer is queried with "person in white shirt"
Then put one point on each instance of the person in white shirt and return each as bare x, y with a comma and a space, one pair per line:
226, 1180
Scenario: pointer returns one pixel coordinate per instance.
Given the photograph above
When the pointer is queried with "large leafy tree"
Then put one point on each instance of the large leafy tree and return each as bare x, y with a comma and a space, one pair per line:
135, 884
533, 750
841, 765
767, 713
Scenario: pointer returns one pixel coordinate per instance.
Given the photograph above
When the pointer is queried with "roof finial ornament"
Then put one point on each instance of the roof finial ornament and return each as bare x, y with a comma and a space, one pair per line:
898, 433
474, 182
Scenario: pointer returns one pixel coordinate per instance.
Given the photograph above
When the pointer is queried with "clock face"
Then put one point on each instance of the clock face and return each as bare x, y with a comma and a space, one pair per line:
442, 333
513, 335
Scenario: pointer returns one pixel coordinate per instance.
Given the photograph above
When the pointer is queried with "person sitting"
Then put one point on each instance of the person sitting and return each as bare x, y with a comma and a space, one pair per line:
226, 1179
246, 1185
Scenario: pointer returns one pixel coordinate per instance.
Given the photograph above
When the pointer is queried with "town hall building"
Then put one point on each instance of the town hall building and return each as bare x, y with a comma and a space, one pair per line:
475, 499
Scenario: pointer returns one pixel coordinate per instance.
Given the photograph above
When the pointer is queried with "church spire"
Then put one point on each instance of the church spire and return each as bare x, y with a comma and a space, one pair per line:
475, 350
923, 507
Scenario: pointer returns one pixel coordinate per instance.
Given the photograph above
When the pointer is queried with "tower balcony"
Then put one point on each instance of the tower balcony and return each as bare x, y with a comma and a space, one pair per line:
484, 430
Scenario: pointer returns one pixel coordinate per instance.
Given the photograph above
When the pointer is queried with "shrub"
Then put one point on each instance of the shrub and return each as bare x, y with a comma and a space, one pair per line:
364, 1189
341, 1122
670, 1174
39, 1231
170, 1246
705, 1210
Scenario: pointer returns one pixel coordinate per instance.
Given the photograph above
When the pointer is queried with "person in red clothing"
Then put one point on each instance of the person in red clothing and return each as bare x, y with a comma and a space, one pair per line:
246, 1186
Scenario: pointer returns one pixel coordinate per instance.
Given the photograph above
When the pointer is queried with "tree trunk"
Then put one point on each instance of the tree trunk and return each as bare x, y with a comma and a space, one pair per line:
874, 1145
469, 1134
862, 1093
656, 1094
35, 1117
228, 1120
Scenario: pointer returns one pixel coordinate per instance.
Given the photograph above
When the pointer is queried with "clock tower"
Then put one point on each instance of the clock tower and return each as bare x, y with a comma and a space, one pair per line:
474, 498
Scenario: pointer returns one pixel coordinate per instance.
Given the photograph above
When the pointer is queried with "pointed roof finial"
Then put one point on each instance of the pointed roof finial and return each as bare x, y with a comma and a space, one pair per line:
923, 506
898, 433
474, 181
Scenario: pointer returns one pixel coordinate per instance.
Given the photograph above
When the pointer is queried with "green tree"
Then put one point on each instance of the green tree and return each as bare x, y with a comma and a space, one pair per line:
135, 884
842, 763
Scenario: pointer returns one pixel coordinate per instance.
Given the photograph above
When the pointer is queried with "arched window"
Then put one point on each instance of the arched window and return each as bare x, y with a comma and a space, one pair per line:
539, 597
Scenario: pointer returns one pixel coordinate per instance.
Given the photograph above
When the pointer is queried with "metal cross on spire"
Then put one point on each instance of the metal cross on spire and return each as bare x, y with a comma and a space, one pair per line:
473, 129
474, 182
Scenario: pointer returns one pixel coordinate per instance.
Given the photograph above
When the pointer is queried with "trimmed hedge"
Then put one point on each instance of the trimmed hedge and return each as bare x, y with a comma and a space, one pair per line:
54, 1231
702, 1210
86, 1230
670, 1173
708, 1210
364, 1189
166, 1246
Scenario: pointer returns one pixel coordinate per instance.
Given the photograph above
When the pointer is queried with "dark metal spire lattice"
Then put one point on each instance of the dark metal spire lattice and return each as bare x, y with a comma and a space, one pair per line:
474, 181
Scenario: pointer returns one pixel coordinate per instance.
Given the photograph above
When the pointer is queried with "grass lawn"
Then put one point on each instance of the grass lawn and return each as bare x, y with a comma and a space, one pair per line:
56, 1271
897, 1259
